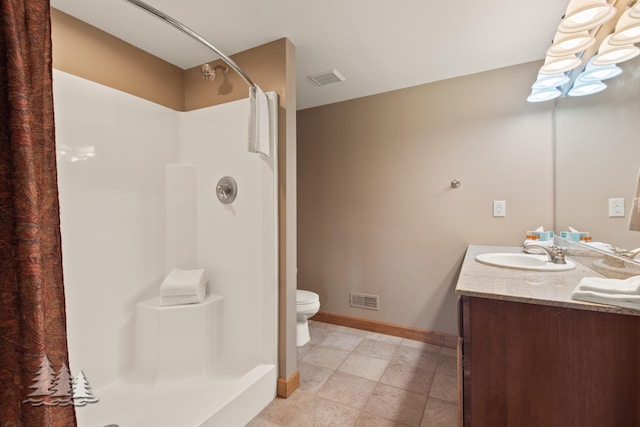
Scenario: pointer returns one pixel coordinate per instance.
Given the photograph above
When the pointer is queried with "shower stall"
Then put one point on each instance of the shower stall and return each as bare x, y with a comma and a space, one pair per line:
137, 185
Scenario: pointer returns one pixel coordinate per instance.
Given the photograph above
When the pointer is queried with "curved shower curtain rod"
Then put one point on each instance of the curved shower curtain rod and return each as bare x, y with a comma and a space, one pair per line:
166, 18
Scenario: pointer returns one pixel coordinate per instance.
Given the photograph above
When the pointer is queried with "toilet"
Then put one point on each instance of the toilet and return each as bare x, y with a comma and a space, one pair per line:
307, 304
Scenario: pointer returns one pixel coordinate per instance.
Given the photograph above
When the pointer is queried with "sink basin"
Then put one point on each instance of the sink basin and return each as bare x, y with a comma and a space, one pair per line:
520, 261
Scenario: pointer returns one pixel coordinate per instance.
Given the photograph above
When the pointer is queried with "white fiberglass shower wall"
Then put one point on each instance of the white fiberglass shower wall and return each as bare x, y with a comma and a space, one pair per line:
137, 194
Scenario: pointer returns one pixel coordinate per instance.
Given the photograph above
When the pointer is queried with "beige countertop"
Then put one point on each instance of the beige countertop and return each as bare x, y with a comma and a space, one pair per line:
546, 288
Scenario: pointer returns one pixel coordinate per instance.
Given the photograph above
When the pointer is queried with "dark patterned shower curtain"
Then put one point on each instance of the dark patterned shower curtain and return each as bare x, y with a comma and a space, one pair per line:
32, 312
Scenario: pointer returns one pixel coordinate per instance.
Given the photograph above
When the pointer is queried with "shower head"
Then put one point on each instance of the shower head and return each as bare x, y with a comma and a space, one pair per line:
210, 73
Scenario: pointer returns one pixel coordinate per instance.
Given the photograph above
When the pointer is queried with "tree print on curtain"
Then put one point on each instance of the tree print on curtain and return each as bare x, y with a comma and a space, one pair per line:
59, 389
32, 312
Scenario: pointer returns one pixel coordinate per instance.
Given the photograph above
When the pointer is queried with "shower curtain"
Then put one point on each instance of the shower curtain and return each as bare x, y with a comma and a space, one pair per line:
35, 383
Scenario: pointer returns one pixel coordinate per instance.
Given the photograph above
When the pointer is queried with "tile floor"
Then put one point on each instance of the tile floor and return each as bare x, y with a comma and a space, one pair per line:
350, 377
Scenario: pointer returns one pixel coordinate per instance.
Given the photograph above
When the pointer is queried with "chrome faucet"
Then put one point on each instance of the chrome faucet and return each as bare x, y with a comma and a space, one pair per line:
554, 253
627, 254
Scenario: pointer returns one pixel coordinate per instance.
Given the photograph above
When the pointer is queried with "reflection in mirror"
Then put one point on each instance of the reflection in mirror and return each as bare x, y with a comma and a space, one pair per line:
600, 259
598, 158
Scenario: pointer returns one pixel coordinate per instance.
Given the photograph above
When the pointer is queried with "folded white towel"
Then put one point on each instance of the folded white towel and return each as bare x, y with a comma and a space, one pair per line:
630, 286
259, 135
184, 283
620, 300
622, 293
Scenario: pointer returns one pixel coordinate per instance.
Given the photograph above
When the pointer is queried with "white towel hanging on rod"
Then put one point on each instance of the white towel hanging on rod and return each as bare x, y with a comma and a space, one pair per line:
259, 135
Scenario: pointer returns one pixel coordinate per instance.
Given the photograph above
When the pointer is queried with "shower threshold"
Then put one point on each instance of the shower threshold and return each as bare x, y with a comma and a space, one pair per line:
201, 402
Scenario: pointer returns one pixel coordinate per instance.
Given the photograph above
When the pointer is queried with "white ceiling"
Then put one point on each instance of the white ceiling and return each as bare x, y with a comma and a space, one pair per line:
378, 45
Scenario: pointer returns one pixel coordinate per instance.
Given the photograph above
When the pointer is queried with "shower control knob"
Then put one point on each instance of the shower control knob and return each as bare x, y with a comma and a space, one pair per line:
226, 190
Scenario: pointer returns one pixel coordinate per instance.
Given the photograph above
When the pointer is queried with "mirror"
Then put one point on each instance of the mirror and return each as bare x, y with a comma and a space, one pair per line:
606, 263
597, 150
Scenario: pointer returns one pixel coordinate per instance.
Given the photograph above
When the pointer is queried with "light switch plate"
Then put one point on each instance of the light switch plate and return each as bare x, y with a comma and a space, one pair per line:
499, 208
616, 208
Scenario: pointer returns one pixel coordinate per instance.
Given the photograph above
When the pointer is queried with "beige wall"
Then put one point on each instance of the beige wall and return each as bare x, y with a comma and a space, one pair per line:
85, 51
376, 212
598, 157
90, 53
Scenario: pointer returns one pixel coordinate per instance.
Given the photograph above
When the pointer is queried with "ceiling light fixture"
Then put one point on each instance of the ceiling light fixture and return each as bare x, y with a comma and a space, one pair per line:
610, 54
540, 95
587, 45
559, 64
582, 88
545, 81
599, 72
570, 43
586, 14
627, 30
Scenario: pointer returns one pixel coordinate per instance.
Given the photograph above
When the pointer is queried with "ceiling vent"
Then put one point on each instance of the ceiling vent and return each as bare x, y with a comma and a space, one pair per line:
326, 77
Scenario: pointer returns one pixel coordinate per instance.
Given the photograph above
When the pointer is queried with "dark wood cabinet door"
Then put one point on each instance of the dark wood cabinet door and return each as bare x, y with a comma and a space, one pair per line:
536, 365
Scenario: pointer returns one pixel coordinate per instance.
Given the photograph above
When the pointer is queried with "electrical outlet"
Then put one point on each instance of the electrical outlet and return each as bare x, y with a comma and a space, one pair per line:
499, 208
616, 208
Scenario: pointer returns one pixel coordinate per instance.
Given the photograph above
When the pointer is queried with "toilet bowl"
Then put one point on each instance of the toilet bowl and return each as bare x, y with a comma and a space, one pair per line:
307, 304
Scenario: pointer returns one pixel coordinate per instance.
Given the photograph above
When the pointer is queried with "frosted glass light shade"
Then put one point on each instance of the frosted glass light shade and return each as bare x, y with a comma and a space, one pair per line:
546, 81
582, 88
559, 64
627, 30
609, 54
599, 72
541, 95
586, 14
570, 43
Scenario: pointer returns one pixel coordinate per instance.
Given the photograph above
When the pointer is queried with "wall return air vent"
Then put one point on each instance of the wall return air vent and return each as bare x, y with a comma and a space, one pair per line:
364, 301
326, 77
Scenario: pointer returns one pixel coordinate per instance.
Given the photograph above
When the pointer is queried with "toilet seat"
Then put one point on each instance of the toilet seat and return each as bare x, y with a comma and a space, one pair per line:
306, 297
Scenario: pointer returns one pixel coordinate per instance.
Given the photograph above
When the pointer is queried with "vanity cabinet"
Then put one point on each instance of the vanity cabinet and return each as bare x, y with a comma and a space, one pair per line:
530, 364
